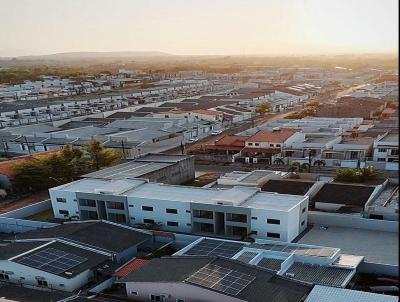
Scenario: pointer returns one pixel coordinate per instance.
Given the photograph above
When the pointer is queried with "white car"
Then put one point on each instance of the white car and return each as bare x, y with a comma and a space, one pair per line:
192, 140
216, 132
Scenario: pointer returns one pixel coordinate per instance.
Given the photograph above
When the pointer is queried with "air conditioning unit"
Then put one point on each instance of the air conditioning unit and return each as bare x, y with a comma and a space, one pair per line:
291, 275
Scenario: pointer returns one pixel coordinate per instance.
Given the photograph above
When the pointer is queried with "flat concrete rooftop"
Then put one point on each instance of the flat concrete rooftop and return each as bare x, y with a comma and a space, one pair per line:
377, 246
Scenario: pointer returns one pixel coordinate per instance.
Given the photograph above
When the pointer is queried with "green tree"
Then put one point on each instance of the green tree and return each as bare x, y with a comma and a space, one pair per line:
263, 108
100, 156
294, 166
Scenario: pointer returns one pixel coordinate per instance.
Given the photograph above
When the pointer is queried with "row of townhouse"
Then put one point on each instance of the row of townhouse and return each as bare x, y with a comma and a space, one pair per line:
234, 213
110, 102
338, 142
134, 136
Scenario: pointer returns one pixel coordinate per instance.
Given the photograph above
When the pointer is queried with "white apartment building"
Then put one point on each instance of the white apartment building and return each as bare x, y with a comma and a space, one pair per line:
233, 213
386, 150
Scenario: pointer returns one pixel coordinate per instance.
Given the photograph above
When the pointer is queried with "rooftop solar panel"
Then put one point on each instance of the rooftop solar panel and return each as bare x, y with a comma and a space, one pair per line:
271, 263
246, 257
52, 260
209, 247
221, 279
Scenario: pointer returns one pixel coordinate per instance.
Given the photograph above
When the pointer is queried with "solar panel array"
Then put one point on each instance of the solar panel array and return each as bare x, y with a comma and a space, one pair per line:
246, 257
323, 275
52, 260
298, 250
271, 263
209, 247
221, 279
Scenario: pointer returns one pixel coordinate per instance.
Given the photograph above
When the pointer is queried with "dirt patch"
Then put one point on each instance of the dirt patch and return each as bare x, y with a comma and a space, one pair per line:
7, 206
203, 180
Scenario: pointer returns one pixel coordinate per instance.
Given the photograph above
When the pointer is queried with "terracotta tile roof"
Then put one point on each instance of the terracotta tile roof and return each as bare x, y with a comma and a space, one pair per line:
130, 266
232, 140
278, 136
6, 166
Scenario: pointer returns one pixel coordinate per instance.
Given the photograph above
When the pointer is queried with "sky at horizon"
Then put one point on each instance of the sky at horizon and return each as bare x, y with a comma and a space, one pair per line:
194, 27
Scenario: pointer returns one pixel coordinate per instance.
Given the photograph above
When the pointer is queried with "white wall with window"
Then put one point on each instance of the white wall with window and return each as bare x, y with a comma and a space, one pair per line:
20, 274
64, 203
173, 215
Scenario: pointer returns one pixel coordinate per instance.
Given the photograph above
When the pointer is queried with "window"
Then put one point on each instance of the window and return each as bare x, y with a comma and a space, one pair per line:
148, 209
394, 152
254, 218
157, 298
303, 210
250, 144
63, 212
188, 224
151, 221
273, 221
303, 222
61, 199
271, 145
172, 223
134, 293
381, 159
62, 285
273, 235
278, 145
203, 214
206, 228
4, 277
131, 205
87, 202
328, 155
171, 211
187, 211
42, 283
115, 205
256, 144
237, 217
381, 150
180, 300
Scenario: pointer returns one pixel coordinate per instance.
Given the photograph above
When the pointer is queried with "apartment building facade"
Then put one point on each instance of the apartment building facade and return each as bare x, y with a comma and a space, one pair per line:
232, 213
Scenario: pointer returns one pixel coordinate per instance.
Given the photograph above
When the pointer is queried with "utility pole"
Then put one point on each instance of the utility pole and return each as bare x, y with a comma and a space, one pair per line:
123, 148
27, 145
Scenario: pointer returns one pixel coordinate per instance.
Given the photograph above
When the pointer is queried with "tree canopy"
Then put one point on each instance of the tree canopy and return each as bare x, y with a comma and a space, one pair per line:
263, 108
67, 165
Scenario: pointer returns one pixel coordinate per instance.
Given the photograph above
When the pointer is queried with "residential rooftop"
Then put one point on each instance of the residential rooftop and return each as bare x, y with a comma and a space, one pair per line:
332, 294
261, 283
14, 293
377, 246
287, 186
91, 233
240, 196
347, 194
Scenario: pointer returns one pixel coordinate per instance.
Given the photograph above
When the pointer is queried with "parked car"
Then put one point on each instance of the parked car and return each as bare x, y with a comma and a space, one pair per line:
216, 132
192, 140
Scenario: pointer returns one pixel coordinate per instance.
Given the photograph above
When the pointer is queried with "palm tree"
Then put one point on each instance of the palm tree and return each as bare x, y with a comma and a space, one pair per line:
279, 161
319, 163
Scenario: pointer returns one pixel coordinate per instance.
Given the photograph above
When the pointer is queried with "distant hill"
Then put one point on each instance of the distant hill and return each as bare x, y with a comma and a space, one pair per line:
67, 56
